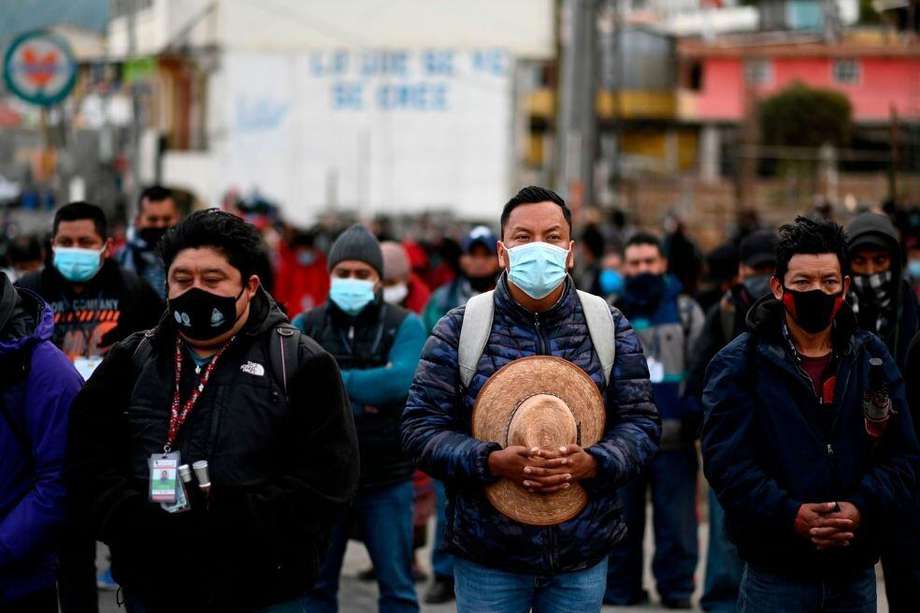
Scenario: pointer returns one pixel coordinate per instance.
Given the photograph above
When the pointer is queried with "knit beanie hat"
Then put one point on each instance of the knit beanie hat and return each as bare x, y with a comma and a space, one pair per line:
357, 243
395, 261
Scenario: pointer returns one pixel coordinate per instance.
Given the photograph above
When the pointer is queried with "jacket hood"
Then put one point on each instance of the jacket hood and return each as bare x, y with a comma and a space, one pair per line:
24, 318
873, 229
765, 318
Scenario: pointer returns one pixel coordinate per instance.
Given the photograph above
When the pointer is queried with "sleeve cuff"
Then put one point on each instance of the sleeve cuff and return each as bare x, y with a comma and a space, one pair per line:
482, 462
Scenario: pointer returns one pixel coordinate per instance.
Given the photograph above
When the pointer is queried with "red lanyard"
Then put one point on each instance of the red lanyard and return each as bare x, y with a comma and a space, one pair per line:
179, 412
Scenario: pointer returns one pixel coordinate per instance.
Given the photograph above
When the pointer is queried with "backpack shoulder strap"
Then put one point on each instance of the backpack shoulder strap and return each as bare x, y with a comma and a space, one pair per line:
474, 334
283, 354
142, 351
601, 328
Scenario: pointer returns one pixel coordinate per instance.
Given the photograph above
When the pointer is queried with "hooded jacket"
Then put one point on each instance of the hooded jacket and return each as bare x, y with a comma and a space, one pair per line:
37, 386
282, 468
765, 452
902, 326
437, 434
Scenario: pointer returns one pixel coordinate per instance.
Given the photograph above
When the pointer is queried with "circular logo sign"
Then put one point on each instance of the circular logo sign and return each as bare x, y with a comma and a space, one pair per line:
40, 68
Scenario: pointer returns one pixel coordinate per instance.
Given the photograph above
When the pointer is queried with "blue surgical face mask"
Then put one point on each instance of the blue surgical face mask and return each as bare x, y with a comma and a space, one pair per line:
537, 268
611, 282
351, 295
77, 265
913, 266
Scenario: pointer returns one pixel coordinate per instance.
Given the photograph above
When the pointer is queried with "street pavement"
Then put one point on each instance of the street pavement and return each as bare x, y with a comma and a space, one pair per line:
360, 597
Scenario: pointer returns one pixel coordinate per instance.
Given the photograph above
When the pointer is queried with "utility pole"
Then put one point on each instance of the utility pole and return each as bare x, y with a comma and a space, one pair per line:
576, 117
894, 132
134, 138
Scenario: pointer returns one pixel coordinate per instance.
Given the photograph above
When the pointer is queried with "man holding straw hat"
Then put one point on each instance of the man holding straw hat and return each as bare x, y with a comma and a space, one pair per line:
533, 404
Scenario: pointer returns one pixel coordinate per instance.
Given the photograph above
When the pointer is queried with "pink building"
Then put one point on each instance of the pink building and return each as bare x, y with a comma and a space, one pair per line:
876, 74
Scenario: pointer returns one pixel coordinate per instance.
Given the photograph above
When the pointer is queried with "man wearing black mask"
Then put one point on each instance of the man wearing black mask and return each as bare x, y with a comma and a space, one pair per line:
224, 379
668, 324
881, 298
725, 321
479, 265
807, 440
156, 213
885, 304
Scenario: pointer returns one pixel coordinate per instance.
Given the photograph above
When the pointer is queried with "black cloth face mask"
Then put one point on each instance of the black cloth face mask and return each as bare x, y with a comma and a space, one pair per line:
643, 292
202, 315
482, 284
151, 236
813, 310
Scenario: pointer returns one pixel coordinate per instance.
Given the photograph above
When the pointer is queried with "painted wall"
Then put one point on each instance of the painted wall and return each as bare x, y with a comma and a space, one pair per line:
883, 81
524, 27
365, 131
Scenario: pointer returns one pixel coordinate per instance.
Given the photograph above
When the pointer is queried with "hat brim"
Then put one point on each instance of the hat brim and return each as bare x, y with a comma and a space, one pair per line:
496, 404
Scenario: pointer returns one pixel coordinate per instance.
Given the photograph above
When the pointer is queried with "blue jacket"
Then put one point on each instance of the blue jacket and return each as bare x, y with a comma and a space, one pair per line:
766, 451
39, 384
436, 432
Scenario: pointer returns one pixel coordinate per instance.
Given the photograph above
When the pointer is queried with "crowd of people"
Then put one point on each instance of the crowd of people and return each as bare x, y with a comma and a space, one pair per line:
226, 404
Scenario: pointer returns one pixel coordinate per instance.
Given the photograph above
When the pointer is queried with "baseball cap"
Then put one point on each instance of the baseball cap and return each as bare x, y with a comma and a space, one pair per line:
480, 235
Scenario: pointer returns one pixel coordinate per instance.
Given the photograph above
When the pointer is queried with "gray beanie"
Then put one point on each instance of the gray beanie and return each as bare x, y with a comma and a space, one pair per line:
357, 243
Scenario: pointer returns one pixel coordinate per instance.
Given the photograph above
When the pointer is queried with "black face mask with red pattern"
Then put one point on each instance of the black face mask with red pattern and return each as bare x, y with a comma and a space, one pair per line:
813, 310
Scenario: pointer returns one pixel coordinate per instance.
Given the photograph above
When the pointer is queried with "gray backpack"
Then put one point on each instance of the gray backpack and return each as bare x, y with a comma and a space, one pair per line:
477, 326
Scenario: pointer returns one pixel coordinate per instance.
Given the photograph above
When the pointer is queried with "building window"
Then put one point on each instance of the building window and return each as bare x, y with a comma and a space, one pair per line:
758, 72
846, 72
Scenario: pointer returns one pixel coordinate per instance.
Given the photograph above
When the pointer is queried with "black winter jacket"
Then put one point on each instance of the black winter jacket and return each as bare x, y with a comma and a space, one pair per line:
765, 455
281, 472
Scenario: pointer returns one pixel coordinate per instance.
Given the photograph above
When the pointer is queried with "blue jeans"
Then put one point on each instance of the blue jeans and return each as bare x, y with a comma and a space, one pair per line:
442, 562
723, 566
671, 475
486, 590
765, 592
384, 517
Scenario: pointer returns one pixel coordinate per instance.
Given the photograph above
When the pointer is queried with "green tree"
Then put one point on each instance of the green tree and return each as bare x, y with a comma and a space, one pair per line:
803, 116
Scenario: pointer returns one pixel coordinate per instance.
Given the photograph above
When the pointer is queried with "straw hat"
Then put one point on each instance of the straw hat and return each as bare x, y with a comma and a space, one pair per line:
538, 401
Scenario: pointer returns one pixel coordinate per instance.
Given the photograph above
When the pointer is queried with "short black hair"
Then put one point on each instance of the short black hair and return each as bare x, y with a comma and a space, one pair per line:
533, 194
78, 211
644, 238
237, 240
155, 193
813, 237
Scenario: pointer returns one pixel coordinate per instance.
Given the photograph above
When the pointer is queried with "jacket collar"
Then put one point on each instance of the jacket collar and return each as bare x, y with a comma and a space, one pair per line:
766, 317
563, 310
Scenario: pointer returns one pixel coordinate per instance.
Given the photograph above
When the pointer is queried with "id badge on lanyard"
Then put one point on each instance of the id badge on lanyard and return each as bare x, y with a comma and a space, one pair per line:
164, 477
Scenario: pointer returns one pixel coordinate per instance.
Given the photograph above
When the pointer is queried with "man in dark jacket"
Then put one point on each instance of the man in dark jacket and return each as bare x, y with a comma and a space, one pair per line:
807, 440
95, 304
157, 212
900, 560
37, 386
502, 565
881, 297
668, 323
479, 269
377, 346
226, 380
726, 320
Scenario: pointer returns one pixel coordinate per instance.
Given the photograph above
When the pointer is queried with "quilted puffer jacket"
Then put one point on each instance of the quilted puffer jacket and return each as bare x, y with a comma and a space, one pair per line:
436, 432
